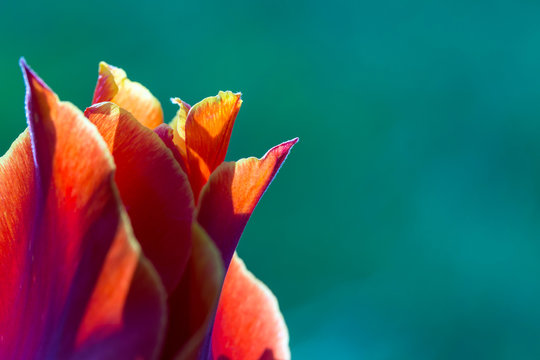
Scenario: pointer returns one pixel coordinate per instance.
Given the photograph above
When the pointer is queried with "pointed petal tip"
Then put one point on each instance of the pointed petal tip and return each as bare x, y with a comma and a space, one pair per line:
288, 145
105, 65
102, 67
106, 69
181, 103
22, 62
282, 149
291, 142
28, 73
30, 76
40, 101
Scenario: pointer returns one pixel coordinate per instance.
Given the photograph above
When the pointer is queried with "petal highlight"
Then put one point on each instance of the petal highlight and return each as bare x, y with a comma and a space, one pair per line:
248, 323
178, 124
208, 130
114, 86
231, 194
152, 186
72, 266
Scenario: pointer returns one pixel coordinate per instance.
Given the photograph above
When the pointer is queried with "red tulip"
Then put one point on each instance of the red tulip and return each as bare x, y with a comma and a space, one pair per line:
118, 232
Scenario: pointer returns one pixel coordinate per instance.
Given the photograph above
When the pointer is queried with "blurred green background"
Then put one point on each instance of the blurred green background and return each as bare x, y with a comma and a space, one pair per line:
405, 223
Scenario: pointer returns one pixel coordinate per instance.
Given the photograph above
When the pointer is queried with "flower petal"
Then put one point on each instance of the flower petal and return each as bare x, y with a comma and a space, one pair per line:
178, 124
231, 194
208, 129
192, 305
167, 135
114, 86
74, 283
101, 319
153, 188
248, 323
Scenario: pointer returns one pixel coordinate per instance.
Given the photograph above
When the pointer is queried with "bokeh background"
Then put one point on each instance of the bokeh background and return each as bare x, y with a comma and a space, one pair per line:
405, 224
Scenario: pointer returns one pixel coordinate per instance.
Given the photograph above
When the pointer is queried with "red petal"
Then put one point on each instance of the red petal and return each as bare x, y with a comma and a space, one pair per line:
192, 305
152, 186
231, 194
248, 324
113, 85
208, 129
73, 282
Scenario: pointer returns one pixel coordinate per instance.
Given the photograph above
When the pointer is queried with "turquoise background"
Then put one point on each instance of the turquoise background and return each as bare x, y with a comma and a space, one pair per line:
405, 223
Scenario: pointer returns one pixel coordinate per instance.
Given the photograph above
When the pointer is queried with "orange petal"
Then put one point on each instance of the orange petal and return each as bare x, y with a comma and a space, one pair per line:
113, 85
153, 188
192, 305
248, 324
208, 129
74, 283
231, 194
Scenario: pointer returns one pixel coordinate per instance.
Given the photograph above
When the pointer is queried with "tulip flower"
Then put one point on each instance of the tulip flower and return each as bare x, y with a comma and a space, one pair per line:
118, 231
